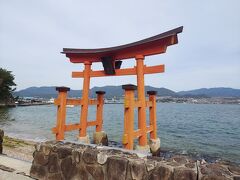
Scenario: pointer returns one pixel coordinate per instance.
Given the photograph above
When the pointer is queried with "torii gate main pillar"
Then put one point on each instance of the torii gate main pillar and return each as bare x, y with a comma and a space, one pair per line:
141, 98
83, 137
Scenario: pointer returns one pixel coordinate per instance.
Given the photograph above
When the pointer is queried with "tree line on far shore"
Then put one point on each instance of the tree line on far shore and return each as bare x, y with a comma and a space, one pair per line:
7, 86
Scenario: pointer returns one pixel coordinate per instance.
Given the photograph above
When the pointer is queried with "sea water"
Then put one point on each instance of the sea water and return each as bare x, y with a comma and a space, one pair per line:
201, 130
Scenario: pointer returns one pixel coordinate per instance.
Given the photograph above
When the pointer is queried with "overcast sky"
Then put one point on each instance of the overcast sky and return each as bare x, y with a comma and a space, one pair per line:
33, 33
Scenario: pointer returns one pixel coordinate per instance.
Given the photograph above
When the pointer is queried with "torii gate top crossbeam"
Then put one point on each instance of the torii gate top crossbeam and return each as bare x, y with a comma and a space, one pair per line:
150, 46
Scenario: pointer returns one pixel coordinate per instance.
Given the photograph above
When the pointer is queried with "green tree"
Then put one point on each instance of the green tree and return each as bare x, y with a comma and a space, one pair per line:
6, 86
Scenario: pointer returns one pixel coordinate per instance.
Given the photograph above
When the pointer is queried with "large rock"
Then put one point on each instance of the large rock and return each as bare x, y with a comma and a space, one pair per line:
184, 174
117, 168
53, 163
150, 165
38, 172
213, 171
180, 159
63, 152
190, 165
46, 149
96, 171
40, 158
102, 158
138, 169
162, 172
76, 156
68, 169
90, 155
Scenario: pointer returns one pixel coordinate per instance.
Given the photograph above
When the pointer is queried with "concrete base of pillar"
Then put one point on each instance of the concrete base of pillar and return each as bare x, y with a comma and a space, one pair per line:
155, 146
142, 148
84, 139
100, 138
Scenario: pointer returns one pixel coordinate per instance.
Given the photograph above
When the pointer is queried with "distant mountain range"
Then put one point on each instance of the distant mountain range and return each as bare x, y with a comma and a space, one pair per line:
111, 91
213, 92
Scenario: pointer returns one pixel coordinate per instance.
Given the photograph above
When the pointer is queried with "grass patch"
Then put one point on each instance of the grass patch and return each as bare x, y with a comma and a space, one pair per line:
14, 142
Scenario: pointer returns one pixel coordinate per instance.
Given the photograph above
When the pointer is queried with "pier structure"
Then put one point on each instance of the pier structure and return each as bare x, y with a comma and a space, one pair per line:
111, 59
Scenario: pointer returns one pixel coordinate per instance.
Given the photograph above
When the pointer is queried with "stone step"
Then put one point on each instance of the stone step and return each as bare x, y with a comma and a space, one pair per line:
11, 168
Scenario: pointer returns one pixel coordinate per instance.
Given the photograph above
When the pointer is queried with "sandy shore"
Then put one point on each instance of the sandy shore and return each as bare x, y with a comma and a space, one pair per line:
18, 148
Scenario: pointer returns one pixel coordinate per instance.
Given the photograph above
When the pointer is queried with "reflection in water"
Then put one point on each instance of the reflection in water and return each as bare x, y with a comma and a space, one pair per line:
5, 116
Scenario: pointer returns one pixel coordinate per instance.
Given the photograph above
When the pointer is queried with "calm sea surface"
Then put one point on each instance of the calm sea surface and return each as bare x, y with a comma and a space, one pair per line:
201, 130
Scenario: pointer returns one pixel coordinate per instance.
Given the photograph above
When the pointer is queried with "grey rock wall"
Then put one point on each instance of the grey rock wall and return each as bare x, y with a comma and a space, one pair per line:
63, 160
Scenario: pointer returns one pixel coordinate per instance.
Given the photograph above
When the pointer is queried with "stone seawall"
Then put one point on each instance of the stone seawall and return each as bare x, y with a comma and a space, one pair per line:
65, 160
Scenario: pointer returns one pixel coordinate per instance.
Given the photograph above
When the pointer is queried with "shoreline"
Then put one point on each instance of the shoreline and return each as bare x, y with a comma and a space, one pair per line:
23, 149
30, 152
170, 102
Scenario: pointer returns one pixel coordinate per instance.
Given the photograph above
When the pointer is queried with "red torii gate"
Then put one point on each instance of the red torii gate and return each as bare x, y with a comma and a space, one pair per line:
111, 60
